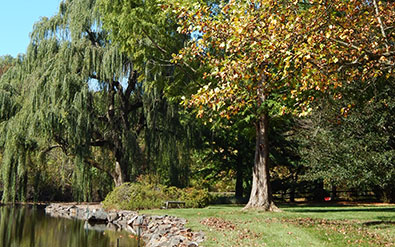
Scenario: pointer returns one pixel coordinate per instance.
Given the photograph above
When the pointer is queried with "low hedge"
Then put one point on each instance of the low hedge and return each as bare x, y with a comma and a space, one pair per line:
135, 196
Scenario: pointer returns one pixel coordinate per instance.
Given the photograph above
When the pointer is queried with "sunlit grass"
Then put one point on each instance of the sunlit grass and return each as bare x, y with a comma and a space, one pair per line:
321, 225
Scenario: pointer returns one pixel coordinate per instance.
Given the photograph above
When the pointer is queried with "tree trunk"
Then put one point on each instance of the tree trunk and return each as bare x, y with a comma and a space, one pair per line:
261, 195
334, 193
121, 173
293, 185
292, 194
119, 177
239, 180
318, 195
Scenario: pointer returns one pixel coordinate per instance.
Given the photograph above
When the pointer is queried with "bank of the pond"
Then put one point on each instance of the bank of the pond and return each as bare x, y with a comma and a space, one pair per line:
156, 231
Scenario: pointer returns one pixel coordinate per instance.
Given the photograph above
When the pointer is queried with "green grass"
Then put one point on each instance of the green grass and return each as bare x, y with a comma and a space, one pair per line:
297, 225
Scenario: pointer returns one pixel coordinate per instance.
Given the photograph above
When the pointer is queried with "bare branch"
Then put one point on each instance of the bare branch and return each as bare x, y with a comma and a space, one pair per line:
345, 44
370, 54
381, 23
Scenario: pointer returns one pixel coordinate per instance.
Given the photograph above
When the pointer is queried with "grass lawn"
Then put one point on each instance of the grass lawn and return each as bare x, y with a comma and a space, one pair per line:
297, 225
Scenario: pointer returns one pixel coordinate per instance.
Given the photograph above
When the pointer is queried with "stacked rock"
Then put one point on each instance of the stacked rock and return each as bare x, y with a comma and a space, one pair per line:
155, 230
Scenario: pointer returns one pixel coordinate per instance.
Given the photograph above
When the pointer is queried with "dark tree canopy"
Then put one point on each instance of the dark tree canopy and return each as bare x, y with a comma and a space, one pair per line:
350, 142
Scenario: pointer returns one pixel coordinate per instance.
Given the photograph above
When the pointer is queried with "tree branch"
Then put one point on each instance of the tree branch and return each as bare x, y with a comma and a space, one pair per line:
371, 55
381, 23
48, 149
95, 164
132, 80
345, 44
166, 52
92, 38
135, 106
154, 42
98, 143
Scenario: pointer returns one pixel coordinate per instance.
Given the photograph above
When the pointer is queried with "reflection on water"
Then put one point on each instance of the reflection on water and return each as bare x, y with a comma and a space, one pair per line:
30, 227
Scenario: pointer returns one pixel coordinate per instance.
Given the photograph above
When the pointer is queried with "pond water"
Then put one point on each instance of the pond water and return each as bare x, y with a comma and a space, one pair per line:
23, 226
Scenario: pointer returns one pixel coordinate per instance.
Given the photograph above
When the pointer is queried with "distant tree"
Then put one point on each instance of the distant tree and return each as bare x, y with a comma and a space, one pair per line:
223, 154
286, 166
350, 142
352, 133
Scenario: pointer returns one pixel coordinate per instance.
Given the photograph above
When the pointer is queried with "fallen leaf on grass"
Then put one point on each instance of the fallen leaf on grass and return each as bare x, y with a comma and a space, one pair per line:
218, 223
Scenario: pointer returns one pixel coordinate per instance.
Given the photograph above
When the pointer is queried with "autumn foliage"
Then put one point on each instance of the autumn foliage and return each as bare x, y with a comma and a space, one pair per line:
286, 50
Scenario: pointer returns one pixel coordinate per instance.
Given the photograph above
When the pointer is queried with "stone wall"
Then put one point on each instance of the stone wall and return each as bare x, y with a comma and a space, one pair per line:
154, 230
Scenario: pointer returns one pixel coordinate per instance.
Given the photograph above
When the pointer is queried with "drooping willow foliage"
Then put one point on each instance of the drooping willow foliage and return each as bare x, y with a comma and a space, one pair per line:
76, 91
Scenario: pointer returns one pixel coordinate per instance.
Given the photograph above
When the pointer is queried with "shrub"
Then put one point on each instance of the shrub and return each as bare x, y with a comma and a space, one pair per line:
134, 196
195, 198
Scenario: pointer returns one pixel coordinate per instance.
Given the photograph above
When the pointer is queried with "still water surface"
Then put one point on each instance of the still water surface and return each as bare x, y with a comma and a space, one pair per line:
23, 226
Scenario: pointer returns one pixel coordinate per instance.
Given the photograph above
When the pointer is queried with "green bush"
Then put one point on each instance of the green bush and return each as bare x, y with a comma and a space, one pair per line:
195, 198
134, 196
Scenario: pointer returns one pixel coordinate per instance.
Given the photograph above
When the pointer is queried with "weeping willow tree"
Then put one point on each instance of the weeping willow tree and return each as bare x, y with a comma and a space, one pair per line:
12, 135
147, 32
75, 90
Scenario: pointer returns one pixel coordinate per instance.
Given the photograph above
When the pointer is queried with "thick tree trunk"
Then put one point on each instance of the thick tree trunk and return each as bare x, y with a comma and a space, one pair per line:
261, 195
119, 176
121, 172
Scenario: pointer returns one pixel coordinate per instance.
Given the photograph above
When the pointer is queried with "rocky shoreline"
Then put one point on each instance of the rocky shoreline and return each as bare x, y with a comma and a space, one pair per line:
155, 231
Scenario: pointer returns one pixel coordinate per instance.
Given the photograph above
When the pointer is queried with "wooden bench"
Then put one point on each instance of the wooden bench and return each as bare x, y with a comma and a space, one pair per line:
178, 203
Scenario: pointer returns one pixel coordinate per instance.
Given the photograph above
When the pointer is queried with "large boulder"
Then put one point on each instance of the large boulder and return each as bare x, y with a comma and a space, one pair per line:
97, 216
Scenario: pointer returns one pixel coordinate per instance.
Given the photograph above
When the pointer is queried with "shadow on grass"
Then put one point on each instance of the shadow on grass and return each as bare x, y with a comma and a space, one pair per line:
379, 222
333, 207
350, 209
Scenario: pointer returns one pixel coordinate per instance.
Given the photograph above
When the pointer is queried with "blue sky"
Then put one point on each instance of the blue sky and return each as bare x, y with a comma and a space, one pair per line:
17, 18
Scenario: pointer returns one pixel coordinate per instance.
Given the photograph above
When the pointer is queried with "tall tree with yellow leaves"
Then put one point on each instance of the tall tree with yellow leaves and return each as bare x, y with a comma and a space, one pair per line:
267, 57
